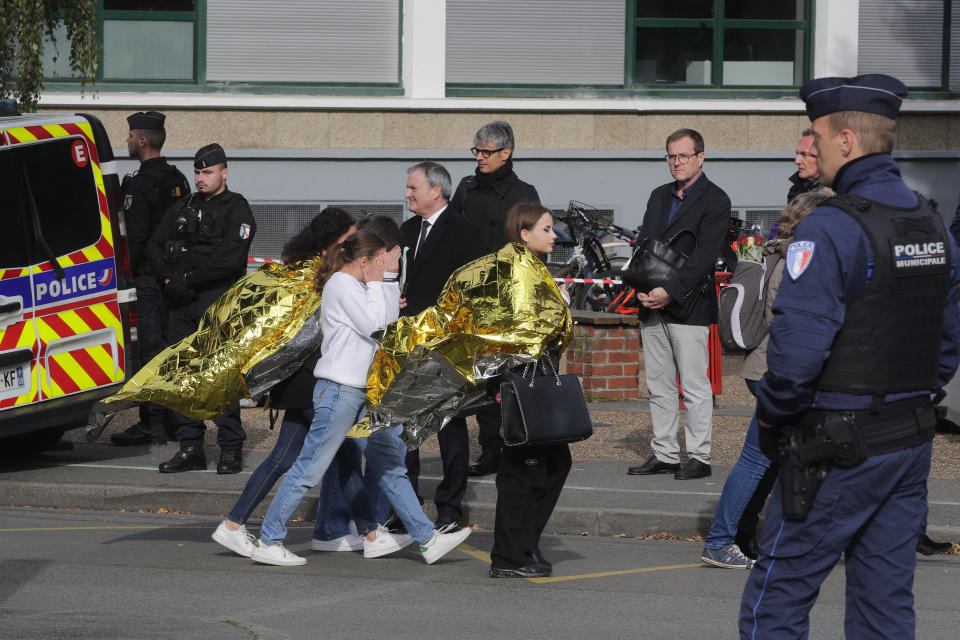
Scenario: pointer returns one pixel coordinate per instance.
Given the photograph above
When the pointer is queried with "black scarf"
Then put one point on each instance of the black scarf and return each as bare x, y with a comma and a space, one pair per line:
501, 174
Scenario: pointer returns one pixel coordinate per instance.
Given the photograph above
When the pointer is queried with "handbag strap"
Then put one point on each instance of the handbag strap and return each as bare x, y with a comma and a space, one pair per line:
543, 367
696, 240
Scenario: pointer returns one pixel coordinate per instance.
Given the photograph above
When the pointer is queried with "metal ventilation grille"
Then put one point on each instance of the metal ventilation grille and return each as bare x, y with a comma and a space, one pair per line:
762, 217
278, 221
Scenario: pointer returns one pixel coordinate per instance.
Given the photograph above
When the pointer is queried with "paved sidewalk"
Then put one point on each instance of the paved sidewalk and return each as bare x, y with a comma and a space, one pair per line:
599, 498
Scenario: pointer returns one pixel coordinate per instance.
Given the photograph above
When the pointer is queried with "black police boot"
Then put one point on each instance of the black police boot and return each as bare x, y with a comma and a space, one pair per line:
487, 463
928, 547
133, 435
231, 461
187, 459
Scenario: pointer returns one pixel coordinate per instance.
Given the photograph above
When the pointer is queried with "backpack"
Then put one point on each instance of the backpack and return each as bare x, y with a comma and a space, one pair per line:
741, 322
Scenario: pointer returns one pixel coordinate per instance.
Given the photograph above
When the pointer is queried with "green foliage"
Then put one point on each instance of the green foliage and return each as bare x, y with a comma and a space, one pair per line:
23, 25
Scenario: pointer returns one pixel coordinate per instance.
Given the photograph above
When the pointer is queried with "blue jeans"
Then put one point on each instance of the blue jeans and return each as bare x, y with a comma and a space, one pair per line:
336, 408
345, 494
739, 487
385, 453
355, 505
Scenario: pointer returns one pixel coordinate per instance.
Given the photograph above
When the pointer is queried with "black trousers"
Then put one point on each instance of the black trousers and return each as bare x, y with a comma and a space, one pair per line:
488, 418
455, 456
152, 339
184, 321
529, 483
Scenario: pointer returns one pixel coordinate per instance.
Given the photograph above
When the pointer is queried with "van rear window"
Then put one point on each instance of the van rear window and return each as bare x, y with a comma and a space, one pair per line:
62, 187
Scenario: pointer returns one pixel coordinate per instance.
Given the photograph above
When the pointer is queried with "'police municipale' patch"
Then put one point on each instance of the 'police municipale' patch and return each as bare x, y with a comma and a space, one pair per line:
799, 255
244, 231
127, 202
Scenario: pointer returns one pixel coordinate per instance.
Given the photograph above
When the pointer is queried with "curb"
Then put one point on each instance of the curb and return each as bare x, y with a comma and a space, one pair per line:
566, 520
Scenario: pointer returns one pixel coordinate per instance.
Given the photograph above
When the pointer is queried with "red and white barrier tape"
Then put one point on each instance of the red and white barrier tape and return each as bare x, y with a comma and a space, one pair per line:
262, 260
587, 280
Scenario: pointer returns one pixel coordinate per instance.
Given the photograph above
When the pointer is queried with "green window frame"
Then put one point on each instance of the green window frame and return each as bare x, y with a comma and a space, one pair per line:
631, 88
197, 17
943, 90
199, 83
719, 25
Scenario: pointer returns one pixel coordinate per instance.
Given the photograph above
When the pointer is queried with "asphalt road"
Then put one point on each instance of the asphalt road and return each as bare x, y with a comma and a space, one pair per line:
79, 574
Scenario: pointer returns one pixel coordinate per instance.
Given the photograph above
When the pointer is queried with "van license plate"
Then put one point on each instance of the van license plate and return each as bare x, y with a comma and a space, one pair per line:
12, 379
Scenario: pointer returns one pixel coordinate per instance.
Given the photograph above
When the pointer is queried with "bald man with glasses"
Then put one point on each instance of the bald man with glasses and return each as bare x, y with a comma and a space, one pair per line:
807, 176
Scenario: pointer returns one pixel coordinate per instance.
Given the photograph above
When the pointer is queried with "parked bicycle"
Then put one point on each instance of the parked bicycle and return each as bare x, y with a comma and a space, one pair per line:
600, 250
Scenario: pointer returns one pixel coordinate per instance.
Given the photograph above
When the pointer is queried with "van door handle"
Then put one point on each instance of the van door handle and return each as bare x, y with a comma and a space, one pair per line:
16, 305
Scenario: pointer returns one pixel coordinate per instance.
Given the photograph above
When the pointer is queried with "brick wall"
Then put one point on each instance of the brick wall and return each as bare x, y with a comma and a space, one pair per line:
605, 352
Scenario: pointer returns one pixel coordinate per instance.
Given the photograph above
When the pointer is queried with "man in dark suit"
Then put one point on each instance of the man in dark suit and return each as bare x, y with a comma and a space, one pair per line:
436, 242
673, 344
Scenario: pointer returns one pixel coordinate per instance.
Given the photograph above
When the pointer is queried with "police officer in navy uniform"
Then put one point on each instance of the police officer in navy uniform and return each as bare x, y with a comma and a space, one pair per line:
147, 194
199, 250
866, 327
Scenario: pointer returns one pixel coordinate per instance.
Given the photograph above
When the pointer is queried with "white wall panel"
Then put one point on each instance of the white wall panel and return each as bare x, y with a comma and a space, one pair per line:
536, 41
303, 40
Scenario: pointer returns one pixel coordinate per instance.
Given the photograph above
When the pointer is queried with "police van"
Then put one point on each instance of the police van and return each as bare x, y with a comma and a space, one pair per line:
67, 319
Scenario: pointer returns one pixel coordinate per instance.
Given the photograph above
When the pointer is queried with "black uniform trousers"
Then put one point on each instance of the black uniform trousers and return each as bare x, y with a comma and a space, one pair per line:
151, 339
529, 482
184, 321
455, 456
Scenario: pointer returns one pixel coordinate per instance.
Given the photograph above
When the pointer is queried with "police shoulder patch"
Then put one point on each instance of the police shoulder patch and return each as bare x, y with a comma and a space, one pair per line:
799, 256
244, 231
127, 202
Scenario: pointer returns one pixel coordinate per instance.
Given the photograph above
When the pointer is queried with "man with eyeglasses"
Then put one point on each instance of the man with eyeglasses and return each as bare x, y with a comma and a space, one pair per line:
807, 176
674, 343
485, 198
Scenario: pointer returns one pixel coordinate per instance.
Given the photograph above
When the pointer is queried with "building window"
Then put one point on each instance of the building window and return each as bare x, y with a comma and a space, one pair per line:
143, 40
927, 38
718, 43
149, 40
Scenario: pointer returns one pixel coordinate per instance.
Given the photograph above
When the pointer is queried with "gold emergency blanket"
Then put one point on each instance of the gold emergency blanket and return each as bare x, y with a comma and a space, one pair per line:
496, 313
255, 335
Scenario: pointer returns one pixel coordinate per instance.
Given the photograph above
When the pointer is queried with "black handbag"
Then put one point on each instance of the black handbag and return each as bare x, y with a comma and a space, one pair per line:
654, 263
543, 409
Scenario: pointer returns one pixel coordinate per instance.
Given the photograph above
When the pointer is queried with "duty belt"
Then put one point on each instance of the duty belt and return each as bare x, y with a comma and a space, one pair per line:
899, 425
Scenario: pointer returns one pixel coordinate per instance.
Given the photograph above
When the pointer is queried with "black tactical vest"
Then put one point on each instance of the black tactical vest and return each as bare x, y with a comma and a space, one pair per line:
891, 334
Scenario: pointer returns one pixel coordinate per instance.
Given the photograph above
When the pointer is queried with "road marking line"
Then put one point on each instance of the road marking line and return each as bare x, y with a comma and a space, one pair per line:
485, 557
473, 552
606, 574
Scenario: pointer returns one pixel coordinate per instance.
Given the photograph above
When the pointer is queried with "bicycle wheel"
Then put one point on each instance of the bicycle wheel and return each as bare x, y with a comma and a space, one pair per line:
606, 297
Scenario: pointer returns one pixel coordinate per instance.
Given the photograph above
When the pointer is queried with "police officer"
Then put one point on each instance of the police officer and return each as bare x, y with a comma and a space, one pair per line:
200, 249
866, 326
147, 194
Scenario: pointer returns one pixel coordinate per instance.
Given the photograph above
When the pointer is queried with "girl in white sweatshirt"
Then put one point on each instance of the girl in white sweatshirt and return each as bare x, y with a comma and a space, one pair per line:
356, 304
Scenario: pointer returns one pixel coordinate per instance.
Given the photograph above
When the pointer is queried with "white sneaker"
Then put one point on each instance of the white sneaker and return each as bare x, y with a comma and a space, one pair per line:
443, 543
275, 554
239, 541
385, 543
348, 542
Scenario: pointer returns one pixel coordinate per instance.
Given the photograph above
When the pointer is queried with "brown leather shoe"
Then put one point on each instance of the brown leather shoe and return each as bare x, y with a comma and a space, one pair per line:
652, 466
692, 470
